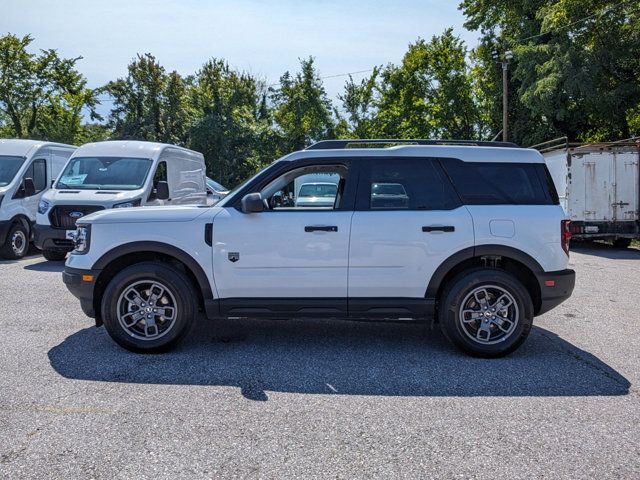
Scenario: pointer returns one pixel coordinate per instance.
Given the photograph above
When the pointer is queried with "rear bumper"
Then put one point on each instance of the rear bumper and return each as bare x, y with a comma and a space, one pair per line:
46, 237
555, 288
78, 283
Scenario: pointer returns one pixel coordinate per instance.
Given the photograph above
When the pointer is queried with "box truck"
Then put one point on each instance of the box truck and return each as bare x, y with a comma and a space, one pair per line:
598, 186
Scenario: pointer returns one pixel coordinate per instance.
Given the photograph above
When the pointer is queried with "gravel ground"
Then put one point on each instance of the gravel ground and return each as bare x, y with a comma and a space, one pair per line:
272, 399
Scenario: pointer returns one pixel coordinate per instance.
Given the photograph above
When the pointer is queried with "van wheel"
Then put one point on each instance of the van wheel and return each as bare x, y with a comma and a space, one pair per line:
16, 244
486, 312
148, 307
54, 255
622, 242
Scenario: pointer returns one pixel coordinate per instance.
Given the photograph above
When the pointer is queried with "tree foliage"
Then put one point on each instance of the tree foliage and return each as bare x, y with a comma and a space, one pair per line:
42, 95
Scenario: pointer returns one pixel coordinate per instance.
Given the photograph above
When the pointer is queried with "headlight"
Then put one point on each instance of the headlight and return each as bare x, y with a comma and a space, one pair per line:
82, 239
43, 206
129, 204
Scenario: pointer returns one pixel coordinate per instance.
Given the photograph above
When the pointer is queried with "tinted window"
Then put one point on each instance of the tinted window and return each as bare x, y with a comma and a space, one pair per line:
404, 183
499, 183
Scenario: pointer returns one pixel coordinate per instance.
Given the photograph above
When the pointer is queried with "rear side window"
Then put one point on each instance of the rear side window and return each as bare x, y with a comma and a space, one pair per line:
482, 183
404, 184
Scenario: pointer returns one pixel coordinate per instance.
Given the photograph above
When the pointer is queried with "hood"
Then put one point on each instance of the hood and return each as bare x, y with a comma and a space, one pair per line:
150, 214
90, 197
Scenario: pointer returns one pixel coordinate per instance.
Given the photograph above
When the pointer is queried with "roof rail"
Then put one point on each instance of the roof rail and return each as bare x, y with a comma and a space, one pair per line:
342, 144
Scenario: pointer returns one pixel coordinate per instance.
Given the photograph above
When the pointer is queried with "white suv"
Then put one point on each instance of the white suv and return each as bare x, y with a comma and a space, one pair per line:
478, 242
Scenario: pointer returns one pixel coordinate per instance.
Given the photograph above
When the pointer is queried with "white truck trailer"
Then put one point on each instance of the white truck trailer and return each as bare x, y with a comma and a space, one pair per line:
598, 186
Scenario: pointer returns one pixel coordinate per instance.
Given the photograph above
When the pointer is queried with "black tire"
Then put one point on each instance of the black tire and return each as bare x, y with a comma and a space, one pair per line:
622, 242
16, 245
180, 290
54, 255
460, 288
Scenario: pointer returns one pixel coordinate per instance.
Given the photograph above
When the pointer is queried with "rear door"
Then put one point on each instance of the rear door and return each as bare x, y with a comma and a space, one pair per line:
408, 220
625, 204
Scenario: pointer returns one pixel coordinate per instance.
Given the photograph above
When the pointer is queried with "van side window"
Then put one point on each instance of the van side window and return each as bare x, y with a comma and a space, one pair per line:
496, 183
159, 176
38, 172
404, 184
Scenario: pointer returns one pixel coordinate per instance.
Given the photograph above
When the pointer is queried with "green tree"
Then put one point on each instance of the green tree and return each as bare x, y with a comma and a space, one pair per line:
576, 65
232, 127
430, 95
358, 103
41, 95
301, 108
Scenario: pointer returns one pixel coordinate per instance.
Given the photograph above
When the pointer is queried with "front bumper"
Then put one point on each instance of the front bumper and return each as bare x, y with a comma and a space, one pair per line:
81, 283
46, 237
5, 225
555, 288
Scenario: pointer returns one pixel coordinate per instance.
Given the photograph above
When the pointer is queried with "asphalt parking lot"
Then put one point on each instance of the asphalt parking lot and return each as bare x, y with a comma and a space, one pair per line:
269, 399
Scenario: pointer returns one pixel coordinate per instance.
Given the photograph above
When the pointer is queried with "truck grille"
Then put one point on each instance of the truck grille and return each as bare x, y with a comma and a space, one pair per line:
65, 216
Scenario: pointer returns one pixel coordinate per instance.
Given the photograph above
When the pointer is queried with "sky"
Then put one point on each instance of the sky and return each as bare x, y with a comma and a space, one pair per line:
263, 38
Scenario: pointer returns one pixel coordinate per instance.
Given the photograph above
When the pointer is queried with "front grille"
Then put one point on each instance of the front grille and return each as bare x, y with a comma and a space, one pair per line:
66, 216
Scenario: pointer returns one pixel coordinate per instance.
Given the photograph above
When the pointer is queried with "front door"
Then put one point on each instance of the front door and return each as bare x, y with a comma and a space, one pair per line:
408, 220
292, 258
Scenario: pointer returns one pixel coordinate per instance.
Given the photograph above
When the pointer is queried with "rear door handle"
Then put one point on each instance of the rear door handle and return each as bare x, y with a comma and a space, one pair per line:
439, 228
322, 228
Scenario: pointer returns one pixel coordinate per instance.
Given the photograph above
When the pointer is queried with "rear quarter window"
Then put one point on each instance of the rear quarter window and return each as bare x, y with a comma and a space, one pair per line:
485, 183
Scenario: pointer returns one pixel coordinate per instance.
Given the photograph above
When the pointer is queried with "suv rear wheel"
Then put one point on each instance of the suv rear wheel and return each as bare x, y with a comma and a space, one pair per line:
486, 312
148, 307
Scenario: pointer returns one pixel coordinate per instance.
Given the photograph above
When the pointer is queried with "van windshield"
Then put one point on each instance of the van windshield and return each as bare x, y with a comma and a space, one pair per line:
9, 166
104, 173
327, 190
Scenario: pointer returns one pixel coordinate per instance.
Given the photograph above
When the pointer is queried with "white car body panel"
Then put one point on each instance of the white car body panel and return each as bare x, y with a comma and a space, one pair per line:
55, 156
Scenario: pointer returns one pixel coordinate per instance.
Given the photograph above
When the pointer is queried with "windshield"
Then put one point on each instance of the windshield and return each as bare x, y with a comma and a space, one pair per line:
215, 185
105, 173
9, 166
318, 190
388, 189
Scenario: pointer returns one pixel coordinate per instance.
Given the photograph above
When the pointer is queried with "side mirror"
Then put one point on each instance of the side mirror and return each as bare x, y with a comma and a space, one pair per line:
29, 187
162, 190
252, 203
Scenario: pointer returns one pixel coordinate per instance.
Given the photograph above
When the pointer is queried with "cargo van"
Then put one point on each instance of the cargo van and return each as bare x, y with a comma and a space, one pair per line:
598, 186
27, 168
116, 174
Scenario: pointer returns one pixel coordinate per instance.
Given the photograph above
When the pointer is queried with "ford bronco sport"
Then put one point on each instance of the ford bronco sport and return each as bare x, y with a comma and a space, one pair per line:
477, 242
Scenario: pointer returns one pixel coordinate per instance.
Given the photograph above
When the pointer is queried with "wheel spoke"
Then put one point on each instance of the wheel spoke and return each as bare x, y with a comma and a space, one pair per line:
150, 327
168, 313
484, 332
503, 324
481, 296
503, 302
134, 297
469, 315
132, 318
155, 293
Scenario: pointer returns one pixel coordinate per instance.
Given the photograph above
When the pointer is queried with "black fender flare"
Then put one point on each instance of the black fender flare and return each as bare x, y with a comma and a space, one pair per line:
163, 248
479, 251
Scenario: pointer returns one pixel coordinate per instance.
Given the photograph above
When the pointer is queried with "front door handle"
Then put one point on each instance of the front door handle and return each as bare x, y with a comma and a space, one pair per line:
439, 228
322, 228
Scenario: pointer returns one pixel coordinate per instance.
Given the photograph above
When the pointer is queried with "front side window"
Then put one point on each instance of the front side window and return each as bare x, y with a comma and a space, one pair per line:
37, 171
313, 187
9, 166
105, 173
404, 184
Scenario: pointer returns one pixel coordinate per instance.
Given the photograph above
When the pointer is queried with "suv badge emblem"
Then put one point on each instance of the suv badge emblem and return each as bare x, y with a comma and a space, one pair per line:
76, 214
234, 256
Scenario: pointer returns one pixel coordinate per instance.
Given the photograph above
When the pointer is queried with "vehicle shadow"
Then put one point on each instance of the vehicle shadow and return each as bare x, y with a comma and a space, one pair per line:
33, 252
606, 251
333, 357
45, 266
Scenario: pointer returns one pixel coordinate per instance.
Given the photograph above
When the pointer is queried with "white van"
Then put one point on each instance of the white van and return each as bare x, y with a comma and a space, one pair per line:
27, 168
116, 174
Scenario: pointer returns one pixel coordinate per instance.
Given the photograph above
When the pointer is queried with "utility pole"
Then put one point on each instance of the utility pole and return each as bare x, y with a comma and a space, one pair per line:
508, 55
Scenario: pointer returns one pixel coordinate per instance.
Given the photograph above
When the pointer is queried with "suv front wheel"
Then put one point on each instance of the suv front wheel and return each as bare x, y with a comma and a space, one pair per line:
486, 312
148, 307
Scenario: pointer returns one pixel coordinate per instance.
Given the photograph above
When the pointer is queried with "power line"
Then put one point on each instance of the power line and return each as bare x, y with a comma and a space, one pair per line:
607, 10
